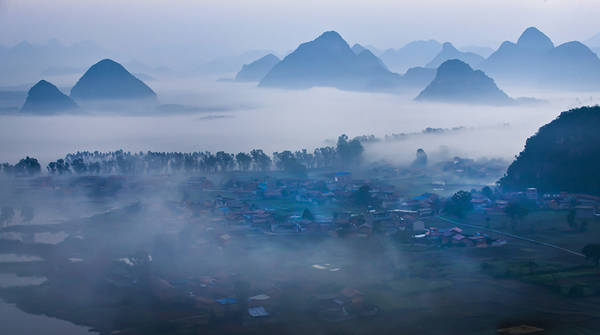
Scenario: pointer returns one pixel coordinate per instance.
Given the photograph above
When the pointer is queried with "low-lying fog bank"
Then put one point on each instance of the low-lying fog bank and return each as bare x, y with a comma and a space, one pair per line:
239, 117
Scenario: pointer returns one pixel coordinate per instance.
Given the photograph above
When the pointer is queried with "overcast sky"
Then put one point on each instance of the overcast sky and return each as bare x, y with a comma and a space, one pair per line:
220, 27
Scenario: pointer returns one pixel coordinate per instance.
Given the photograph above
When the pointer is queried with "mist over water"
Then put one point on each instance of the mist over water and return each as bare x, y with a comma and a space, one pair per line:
239, 117
386, 216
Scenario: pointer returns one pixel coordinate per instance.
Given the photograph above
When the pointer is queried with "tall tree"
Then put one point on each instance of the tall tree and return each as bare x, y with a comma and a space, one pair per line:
421, 159
225, 160
349, 151
28, 166
459, 204
243, 161
516, 211
262, 161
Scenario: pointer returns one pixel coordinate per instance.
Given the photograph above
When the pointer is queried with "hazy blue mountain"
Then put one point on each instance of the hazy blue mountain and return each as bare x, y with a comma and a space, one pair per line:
534, 39
413, 54
562, 156
11, 100
357, 48
44, 97
534, 60
144, 77
258, 69
593, 42
418, 77
108, 79
572, 62
455, 81
26, 62
483, 51
376, 51
329, 61
135, 66
450, 52
62, 70
229, 64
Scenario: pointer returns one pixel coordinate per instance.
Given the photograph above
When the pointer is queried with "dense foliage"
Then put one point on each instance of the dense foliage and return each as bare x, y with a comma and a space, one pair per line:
563, 156
459, 204
345, 153
27, 166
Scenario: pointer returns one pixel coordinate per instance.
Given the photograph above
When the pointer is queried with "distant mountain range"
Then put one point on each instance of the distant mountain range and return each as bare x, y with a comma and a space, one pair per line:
456, 82
230, 64
532, 61
413, 54
594, 43
258, 69
329, 61
418, 77
483, 51
562, 156
357, 48
450, 52
45, 98
535, 61
25, 62
108, 79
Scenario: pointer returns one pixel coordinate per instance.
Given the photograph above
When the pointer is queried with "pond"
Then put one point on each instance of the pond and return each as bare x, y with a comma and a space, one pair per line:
16, 322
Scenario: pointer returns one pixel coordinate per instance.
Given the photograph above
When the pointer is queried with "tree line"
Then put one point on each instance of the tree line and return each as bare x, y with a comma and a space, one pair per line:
347, 152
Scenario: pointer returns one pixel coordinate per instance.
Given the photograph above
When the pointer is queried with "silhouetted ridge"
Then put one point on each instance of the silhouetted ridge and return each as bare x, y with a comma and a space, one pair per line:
44, 97
450, 52
419, 76
357, 48
532, 38
331, 37
257, 70
534, 60
329, 61
456, 81
413, 54
562, 156
108, 79
370, 62
574, 49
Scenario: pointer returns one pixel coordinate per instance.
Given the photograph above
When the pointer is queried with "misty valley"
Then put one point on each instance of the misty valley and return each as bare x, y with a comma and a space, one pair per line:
333, 188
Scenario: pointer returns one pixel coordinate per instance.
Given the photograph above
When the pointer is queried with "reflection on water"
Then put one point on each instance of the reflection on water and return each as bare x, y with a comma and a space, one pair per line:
14, 321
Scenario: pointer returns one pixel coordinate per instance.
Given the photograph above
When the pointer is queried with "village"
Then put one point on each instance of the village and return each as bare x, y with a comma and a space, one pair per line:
337, 205
252, 251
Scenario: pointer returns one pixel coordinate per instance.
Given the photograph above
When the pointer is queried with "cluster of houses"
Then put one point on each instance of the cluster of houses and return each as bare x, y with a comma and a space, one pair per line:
347, 304
221, 300
253, 206
457, 237
585, 206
